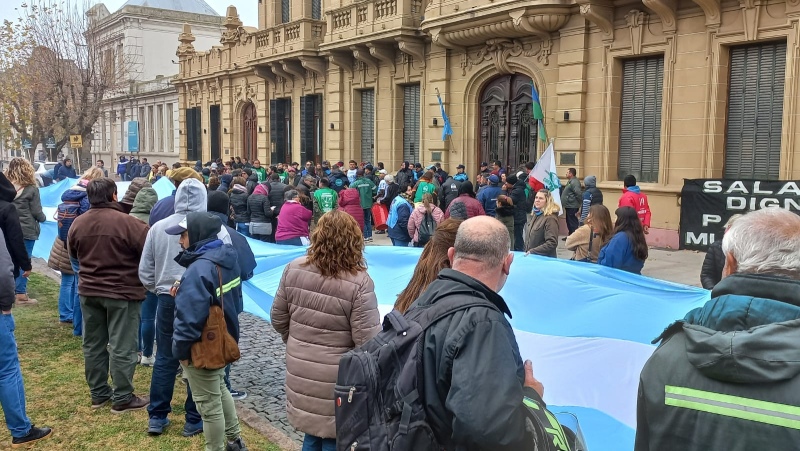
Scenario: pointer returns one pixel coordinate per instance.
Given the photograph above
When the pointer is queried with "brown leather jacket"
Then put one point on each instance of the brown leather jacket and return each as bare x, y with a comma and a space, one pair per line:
328, 317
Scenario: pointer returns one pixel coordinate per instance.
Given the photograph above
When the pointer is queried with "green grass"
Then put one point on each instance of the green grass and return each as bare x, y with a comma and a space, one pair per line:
58, 397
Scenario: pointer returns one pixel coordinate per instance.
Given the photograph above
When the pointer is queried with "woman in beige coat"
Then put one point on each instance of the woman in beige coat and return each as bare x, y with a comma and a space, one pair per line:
325, 305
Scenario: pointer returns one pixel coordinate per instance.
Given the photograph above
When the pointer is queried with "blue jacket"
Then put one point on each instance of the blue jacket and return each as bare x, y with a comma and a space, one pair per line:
488, 198
399, 214
618, 253
65, 172
164, 208
77, 194
198, 290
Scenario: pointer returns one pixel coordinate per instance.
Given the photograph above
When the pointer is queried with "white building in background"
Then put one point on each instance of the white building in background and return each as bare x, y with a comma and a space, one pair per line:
136, 44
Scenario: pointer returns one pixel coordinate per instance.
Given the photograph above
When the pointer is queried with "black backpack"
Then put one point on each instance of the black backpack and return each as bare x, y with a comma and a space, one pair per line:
426, 229
378, 406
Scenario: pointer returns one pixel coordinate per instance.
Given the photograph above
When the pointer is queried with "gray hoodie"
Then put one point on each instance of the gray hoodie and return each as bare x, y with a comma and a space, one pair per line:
158, 269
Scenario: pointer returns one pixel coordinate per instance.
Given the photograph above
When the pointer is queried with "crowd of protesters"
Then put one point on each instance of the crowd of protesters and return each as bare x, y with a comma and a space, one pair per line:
132, 269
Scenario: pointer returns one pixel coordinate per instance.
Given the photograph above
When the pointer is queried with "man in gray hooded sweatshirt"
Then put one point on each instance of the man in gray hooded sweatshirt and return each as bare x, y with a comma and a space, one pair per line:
158, 272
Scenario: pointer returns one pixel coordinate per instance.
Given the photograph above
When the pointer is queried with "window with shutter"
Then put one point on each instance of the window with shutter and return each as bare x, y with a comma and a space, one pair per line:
214, 124
368, 125
316, 9
286, 11
280, 111
411, 150
755, 111
640, 118
194, 138
311, 128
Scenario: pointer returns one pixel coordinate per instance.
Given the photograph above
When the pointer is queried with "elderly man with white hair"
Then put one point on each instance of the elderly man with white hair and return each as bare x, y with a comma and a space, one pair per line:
727, 377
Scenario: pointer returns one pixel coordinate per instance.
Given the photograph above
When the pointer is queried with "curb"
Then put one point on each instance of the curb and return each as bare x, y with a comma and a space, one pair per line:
263, 427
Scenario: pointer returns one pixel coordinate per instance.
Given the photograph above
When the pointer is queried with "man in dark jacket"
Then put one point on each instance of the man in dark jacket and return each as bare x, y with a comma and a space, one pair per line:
338, 179
276, 191
212, 277
65, 171
571, 198
471, 348
726, 377
108, 245
166, 207
488, 196
144, 169
12, 395
591, 196
9, 223
448, 191
521, 209
405, 176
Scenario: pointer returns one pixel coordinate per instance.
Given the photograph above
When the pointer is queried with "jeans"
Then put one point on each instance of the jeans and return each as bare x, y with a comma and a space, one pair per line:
66, 297
519, 239
367, 223
290, 242
12, 388
109, 346
572, 219
313, 443
399, 243
162, 383
243, 228
77, 315
147, 324
21, 283
215, 404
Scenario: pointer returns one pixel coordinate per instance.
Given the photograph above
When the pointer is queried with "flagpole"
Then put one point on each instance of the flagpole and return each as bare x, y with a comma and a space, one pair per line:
449, 137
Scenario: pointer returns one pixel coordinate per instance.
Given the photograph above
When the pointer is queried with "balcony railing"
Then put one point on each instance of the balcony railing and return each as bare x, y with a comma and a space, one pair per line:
364, 18
303, 34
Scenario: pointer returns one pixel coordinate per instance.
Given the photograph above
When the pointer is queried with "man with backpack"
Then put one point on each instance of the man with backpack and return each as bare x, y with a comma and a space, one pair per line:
474, 387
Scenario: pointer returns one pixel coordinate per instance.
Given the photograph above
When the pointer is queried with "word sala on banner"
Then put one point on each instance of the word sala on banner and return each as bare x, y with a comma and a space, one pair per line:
707, 204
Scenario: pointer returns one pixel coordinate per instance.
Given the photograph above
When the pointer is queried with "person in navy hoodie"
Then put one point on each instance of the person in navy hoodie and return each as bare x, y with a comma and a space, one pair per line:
208, 258
627, 249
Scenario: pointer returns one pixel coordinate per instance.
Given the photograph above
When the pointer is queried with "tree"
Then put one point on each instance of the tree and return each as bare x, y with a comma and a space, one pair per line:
61, 61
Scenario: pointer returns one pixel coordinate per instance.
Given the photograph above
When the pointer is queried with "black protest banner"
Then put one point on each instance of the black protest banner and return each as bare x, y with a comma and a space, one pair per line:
707, 204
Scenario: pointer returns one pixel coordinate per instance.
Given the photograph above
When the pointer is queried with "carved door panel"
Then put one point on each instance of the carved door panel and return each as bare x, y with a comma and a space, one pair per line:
249, 132
508, 130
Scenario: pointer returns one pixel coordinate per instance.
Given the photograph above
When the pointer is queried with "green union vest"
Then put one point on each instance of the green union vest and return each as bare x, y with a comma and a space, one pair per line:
326, 198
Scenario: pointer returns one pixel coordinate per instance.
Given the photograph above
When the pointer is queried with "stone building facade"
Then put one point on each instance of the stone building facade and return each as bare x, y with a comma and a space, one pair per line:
662, 89
134, 44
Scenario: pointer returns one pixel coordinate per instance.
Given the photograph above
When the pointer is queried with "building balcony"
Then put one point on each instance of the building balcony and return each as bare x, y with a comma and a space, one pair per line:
301, 37
459, 24
372, 20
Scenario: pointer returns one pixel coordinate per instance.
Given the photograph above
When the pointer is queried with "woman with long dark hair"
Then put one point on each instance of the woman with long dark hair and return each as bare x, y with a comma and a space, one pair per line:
329, 300
627, 249
432, 260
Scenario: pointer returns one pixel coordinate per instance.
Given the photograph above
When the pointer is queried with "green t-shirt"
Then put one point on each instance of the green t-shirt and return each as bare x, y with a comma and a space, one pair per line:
422, 189
326, 199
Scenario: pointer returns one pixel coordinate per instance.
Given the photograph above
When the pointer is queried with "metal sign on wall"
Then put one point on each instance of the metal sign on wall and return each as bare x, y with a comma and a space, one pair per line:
707, 204
133, 136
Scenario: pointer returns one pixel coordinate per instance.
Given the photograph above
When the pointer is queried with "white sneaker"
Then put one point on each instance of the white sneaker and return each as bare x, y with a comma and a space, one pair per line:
148, 361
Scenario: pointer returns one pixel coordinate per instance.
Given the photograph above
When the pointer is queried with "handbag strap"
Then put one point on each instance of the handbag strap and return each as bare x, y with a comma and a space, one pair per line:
589, 254
221, 294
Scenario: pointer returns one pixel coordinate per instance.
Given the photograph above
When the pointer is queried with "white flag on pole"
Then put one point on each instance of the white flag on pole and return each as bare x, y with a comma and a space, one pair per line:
545, 172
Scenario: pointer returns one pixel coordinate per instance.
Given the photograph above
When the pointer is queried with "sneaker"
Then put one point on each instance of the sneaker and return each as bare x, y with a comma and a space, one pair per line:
98, 403
192, 429
148, 361
34, 435
135, 403
155, 426
238, 395
236, 445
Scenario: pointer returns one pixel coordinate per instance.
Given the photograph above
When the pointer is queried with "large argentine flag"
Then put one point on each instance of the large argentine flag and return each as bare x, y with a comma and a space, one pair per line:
587, 328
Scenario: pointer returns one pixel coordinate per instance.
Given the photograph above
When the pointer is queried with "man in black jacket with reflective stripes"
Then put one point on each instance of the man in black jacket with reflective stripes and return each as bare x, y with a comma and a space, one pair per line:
727, 377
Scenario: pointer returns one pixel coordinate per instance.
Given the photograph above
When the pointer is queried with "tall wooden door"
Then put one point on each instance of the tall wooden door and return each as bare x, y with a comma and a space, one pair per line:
508, 130
249, 132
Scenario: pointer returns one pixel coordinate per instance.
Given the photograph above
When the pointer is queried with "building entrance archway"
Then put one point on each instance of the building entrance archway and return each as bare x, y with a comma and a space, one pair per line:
508, 131
249, 132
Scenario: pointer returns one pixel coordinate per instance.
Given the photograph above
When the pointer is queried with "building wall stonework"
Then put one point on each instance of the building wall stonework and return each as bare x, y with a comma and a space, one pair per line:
574, 52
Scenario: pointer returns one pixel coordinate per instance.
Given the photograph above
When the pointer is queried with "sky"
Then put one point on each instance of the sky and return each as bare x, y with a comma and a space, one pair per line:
248, 9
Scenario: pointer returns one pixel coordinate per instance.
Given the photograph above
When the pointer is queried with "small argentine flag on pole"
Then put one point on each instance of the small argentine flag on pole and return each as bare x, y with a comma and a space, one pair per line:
447, 130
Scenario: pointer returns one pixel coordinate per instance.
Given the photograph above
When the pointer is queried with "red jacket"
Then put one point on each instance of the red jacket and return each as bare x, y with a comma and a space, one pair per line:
637, 201
350, 201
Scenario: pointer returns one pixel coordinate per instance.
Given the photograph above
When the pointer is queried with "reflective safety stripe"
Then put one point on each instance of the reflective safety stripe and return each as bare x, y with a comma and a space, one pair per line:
229, 286
733, 406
